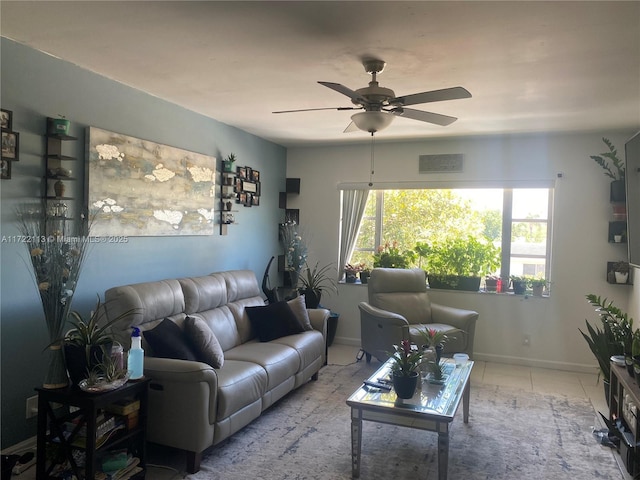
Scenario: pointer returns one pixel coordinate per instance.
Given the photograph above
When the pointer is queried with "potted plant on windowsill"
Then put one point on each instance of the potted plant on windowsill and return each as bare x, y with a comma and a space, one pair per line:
315, 281
389, 255
613, 168
459, 263
351, 272
537, 285
519, 284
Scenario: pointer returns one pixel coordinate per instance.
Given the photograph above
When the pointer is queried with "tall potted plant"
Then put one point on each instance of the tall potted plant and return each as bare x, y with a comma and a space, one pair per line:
613, 168
314, 281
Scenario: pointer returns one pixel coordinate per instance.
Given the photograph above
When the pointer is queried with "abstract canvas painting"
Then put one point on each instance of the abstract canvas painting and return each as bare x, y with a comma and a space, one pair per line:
142, 188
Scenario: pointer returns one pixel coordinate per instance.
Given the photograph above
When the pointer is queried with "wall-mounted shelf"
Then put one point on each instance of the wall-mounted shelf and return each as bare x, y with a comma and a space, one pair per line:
56, 174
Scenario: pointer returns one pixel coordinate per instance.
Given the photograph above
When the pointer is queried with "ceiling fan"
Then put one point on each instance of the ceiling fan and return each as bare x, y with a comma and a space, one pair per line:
380, 105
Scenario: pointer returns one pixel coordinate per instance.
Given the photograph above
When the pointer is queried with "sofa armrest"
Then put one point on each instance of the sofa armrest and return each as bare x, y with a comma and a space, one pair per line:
318, 318
172, 377
462, 319
380, 330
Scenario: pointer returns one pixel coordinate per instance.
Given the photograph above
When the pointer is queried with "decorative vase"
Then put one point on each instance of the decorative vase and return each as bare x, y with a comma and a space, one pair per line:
59, 188
56, 376
405, 385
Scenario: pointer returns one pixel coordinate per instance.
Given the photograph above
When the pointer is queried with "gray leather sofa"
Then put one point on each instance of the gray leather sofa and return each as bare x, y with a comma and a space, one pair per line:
399, 308
192, 405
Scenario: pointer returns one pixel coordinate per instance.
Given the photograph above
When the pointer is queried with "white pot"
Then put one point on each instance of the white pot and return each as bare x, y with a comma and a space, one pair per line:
621, 277
617, 238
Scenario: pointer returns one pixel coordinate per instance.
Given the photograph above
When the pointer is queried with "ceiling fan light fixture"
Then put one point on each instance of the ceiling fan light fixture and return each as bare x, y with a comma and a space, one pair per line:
372, 121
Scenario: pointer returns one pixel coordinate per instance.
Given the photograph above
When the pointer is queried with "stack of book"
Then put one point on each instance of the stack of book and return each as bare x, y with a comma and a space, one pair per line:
128, 410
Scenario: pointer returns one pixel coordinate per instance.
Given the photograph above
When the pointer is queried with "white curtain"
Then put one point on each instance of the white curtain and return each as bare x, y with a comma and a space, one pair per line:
353, 203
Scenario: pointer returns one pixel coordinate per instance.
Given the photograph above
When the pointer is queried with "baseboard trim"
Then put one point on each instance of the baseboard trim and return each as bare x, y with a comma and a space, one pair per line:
23, 446
510, 360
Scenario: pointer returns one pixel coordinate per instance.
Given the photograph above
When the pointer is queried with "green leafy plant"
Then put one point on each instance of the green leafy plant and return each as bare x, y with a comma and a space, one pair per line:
318, 279
621, 267
616, 337
404, 359
609, 161
467, 257
389, 255
231, 158
433, 337
536, 281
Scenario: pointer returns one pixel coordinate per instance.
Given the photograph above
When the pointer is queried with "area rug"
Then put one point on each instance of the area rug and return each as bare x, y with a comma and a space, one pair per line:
511, 434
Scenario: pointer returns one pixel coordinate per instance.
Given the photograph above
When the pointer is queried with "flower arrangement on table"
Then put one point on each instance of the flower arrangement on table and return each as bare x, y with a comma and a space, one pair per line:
56, 262
295, 249
390, 256
434, 338
405, 360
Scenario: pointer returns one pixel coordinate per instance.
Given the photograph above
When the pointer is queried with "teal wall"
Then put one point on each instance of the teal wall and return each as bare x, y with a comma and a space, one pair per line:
35, 85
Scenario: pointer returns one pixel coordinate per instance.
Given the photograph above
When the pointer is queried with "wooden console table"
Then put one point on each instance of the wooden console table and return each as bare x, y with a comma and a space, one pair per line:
624, 411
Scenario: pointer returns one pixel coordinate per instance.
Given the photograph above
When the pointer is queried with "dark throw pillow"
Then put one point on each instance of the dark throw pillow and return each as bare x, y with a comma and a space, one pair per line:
273, 321
167, 340
203, 341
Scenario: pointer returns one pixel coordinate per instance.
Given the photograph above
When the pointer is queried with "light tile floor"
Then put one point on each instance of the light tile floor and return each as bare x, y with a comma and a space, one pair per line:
539, 380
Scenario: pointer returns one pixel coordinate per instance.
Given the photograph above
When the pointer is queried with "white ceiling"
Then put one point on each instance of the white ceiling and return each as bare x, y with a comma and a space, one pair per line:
530, 66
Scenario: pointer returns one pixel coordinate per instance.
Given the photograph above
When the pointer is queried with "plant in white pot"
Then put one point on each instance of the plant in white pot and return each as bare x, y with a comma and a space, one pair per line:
621, 271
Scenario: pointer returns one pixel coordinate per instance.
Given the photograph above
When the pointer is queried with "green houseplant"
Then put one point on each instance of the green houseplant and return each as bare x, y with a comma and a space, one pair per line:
459, 263
404, 368
612, 338
519, 284
227, 163
537, 285
314, 281
389, 255
87, 346
613, 168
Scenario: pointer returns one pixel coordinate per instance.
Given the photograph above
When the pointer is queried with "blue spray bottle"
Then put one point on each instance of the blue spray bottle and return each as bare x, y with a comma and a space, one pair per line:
135, 362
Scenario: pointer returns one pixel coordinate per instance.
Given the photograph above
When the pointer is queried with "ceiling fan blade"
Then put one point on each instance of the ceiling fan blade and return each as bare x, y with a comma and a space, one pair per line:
315, 109
353, 95
352, 127
452, 93
428, 117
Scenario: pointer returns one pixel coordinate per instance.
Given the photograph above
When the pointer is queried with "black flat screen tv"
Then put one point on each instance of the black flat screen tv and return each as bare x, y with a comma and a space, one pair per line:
632, 160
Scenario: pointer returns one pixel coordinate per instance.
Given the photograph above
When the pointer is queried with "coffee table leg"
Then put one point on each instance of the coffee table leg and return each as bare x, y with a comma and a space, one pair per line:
356, 442
443, 455
465, 402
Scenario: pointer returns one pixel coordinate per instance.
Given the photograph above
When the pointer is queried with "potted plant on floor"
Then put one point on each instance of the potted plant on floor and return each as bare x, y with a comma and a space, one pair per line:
314, 282
609, 339
613, 168
404, 368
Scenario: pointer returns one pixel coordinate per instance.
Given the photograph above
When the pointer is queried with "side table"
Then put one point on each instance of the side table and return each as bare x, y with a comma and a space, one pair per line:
58, 408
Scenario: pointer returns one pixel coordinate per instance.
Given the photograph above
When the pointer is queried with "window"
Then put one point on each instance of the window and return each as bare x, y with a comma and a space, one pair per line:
516, 220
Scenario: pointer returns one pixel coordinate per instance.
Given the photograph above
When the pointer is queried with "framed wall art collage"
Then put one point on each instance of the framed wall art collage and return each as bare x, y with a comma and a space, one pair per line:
247, 186
10, 144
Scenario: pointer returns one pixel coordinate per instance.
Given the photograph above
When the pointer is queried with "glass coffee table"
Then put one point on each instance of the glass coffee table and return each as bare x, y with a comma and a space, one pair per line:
432, 408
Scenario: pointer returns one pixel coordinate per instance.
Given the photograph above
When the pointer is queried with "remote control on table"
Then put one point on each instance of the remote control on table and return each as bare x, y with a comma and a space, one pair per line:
381, 386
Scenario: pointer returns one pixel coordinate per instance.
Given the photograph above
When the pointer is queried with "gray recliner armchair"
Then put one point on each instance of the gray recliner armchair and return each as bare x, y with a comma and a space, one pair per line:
399, 308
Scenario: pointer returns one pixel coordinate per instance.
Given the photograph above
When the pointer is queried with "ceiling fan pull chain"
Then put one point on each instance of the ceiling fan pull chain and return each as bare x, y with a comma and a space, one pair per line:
373, 141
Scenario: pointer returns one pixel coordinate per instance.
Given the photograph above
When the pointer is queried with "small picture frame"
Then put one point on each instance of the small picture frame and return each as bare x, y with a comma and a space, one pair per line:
248, 200
6, 119
249, 187
242, 198
238, 185
249, 170
10, 145
5, 169
255, 200
242, 172
255, 175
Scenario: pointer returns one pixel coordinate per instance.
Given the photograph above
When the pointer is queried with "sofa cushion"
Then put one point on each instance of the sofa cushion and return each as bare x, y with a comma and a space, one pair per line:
273, 321
203, 342
167, 340
280, 361
309, 345
240, 384
299, 308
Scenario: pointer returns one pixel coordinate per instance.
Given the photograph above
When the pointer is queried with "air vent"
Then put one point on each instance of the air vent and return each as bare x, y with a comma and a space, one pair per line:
446, 162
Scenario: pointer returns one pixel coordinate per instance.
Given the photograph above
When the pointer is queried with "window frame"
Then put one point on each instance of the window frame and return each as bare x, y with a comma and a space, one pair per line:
507, 214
